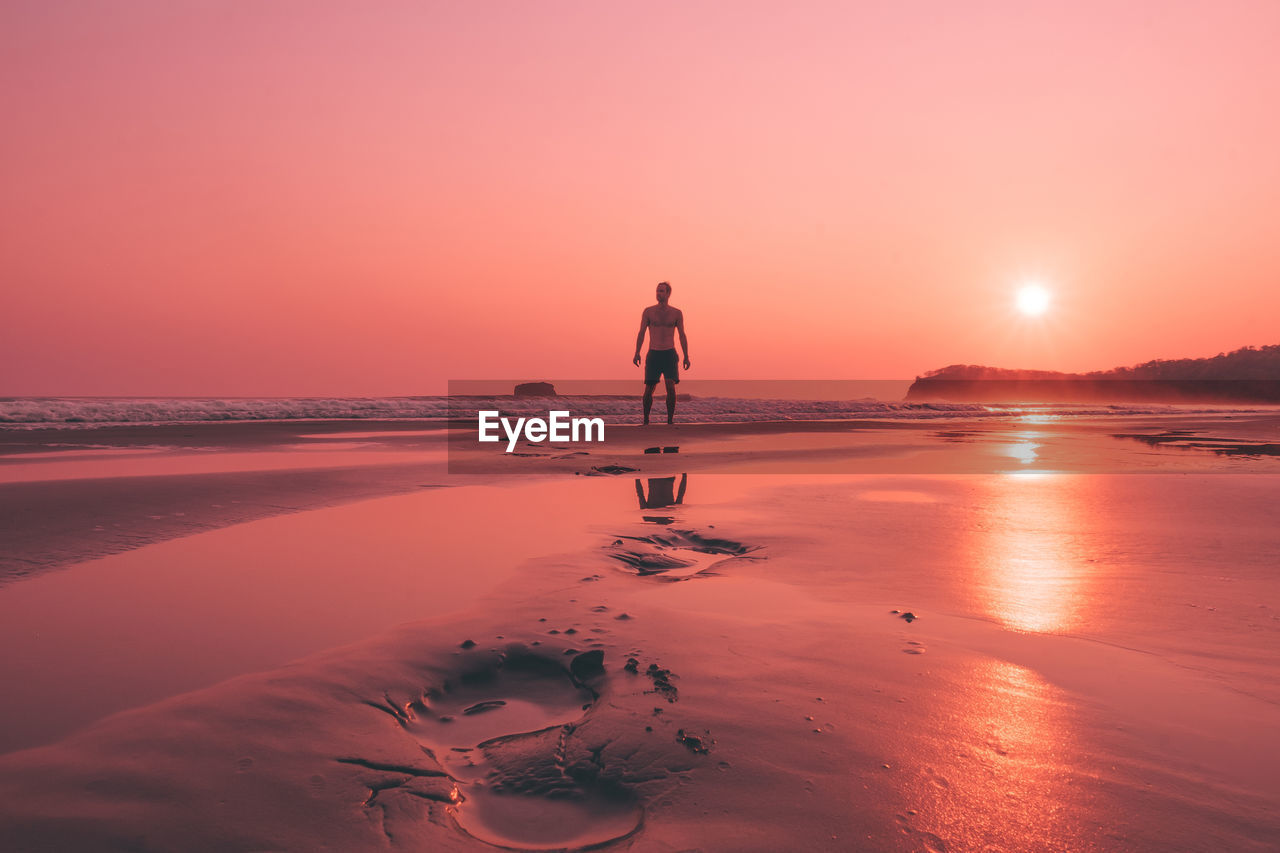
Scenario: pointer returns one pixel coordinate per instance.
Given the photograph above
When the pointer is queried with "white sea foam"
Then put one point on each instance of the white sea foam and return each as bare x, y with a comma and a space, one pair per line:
34, 412
97, 411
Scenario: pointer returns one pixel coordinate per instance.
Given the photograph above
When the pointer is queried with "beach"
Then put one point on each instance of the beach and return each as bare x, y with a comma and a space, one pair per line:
670, 428
1010, 633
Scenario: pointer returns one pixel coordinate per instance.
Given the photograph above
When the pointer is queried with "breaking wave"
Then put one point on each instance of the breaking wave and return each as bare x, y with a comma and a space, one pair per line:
35, 412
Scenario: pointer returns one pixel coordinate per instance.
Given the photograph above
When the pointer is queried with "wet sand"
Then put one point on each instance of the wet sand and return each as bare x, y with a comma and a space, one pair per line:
70, 495
683, 658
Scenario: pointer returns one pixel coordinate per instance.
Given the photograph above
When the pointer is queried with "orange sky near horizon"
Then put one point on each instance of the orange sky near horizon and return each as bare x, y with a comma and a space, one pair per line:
325, 198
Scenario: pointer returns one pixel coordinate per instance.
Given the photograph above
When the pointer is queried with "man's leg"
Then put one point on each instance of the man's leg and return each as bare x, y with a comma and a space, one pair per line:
671, 400
648, 400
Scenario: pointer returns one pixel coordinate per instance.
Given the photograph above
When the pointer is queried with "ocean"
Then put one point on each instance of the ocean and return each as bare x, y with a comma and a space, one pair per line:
44, 412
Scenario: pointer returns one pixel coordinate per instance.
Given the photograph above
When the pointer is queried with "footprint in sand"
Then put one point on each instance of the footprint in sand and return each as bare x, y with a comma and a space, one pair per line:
935, 777
500, 734
928, 841
675, 555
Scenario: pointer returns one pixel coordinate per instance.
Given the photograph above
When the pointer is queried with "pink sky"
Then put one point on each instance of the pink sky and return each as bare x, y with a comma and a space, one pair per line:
319, 198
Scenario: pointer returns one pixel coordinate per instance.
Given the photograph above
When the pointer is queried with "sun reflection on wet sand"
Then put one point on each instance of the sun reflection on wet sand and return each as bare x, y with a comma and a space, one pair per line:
1025, 552
1003, 777
1025, 449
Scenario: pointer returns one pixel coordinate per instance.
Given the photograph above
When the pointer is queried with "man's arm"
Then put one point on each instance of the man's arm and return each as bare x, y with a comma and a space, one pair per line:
684, 341
644, 324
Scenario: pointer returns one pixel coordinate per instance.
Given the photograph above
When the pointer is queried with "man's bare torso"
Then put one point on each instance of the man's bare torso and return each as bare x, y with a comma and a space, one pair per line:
662, 320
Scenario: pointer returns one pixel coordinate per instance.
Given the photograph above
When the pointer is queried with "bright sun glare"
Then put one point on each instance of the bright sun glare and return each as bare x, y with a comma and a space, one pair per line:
1033, 300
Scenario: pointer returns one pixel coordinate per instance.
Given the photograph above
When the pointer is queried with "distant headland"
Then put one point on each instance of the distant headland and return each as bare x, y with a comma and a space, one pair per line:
1246, 375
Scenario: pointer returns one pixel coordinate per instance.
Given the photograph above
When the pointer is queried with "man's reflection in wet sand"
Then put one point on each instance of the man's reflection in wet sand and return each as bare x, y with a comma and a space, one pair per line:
662, 493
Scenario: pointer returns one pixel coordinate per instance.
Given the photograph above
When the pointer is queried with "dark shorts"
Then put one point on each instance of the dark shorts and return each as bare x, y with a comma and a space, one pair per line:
659, 363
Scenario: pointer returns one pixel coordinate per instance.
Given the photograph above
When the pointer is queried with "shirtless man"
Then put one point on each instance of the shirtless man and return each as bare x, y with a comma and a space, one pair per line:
663, 322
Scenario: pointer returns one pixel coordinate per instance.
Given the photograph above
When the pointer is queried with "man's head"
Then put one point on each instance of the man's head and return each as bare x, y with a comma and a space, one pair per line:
664, 292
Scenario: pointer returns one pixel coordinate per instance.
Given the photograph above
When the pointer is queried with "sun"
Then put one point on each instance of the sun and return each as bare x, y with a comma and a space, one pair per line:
1033, 300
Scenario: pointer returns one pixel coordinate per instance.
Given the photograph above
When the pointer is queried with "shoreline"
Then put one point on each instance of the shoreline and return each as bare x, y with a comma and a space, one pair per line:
71, 496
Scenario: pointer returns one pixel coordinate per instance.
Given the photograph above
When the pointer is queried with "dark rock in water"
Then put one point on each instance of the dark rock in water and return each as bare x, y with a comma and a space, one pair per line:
909, 616
623, 616
467, 644
588, 665
535, 389
633, 665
